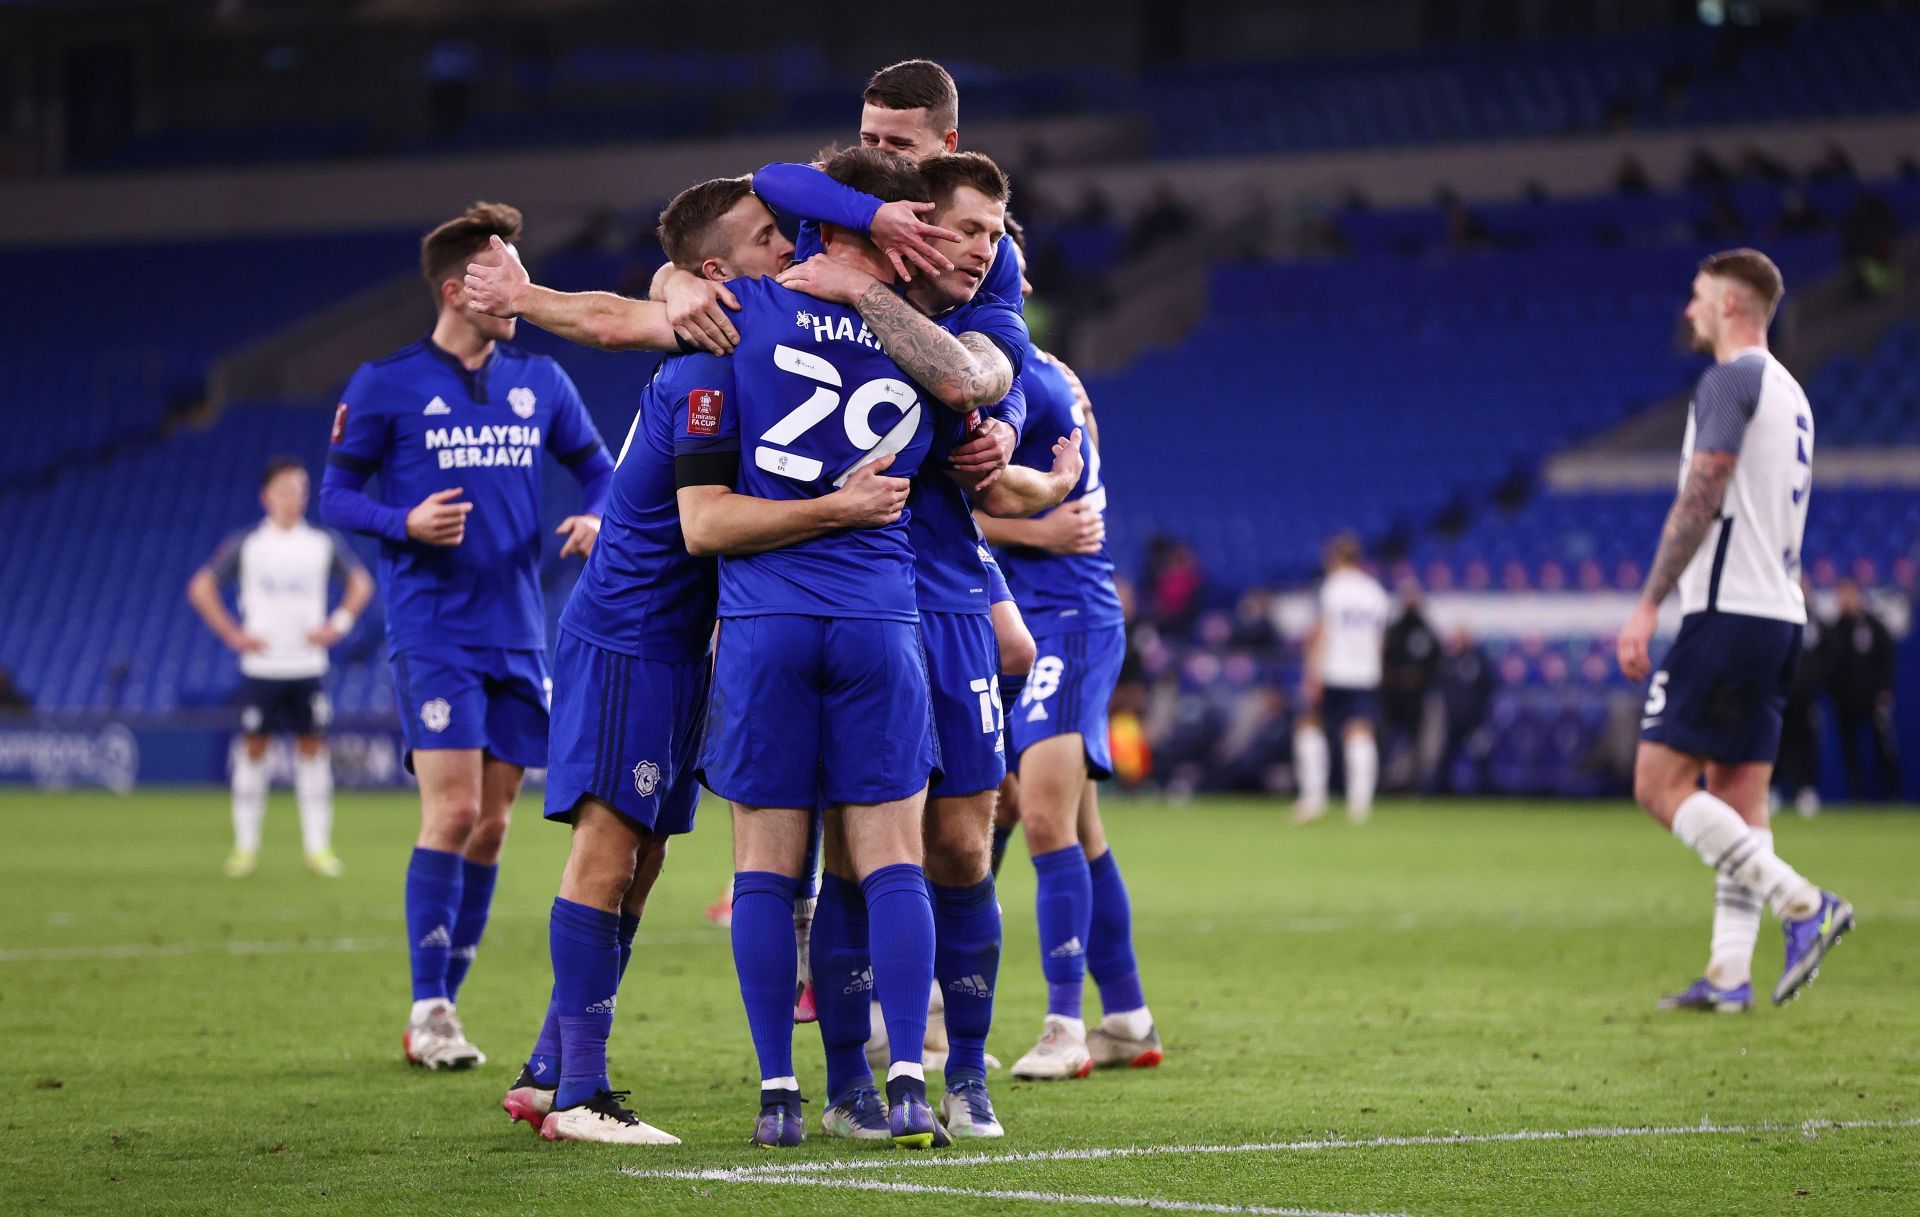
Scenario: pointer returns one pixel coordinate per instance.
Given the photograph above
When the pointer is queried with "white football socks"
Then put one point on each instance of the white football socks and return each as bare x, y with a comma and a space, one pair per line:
1736, 926
249, 799
313, 791
1128, 1024
1716, 832
1362, 755
1311, 762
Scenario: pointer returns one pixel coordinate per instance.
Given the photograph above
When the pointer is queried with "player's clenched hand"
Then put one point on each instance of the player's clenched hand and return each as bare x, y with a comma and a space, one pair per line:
824, 279
697, 311
496, 281
1631, 646
243, 643
1072, 528
437, 521
870, 500
985, 453
581, 532
902, 235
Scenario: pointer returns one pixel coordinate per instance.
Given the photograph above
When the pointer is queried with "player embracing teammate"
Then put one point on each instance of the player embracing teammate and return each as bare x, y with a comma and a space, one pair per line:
828, 448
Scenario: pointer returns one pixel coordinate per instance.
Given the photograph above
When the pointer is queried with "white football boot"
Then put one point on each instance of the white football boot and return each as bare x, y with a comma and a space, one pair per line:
605, 1118
435, 1040
1061, 1052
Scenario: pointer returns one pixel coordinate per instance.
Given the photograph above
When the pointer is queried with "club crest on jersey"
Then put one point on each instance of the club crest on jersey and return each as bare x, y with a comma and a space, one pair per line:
646, 778
436, 714
703, 411
521, 400
340, 422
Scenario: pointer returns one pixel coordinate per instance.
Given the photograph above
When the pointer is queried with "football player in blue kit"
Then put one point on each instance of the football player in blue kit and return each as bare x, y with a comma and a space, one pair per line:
455, 426
964, 349
819, 687
630, 693
1058, 742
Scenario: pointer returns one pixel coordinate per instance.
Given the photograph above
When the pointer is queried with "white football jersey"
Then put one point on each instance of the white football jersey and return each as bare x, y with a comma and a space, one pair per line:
1353, 626
282, 575
1750, 562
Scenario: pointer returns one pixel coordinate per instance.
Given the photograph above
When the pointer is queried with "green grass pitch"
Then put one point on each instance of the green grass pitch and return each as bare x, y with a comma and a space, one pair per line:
181, 1043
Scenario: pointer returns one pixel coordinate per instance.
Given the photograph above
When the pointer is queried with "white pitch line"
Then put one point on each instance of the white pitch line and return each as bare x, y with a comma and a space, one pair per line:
972, 1193
170, 950
291, 946
788, 1172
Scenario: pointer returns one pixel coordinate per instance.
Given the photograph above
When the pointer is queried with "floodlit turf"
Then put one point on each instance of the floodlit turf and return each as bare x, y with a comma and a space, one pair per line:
177, 1042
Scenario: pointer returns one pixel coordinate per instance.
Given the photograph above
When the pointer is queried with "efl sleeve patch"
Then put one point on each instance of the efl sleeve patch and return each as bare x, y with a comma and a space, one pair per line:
703, 411
340, 422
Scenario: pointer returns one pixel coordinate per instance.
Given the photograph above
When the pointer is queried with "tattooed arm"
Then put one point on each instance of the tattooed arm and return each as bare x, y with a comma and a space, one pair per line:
964, 373
1694, 513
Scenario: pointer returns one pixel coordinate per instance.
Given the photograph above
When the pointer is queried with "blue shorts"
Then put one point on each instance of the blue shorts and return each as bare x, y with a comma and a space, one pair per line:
626, 732
1341, 704
474, 697
1068, 691
963, 671
1721, 688
284, 707
806, 708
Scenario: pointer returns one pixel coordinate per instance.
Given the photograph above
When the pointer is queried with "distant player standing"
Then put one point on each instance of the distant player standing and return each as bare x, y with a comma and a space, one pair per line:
455, 426
1714, 707
1341, 685
282, 567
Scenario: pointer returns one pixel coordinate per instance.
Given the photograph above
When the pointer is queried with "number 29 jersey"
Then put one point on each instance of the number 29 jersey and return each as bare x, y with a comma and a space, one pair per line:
807, 398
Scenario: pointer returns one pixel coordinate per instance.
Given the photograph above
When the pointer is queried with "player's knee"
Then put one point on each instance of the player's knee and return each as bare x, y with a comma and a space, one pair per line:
488, 837
450, 823
1017, 651
958, 855
1654, 794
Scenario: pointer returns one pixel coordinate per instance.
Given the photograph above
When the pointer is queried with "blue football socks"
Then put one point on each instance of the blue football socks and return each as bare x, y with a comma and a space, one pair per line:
900, 938
1063, 907
585, 943
476, 900
842, 983
433, 901
766, 960
1110, 958
966, 960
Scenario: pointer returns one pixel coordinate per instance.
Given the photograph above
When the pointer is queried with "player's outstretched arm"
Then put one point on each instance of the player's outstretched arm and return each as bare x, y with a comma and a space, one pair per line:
501, 287
1695, 511
1020, 492
963, 373
716, 520
896, 228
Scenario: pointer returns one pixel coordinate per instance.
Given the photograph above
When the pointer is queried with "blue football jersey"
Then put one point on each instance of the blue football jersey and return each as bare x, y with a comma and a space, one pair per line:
948, 569
641, 593
422, 423
808, 396
1060, 591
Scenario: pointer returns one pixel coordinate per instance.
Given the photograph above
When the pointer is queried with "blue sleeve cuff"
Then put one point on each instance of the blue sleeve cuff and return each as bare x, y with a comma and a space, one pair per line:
343, 504
806, 192
596, 480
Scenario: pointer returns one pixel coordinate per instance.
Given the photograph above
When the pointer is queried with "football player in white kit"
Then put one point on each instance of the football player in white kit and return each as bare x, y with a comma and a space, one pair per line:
1341, 685
1731, 548
282, 567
